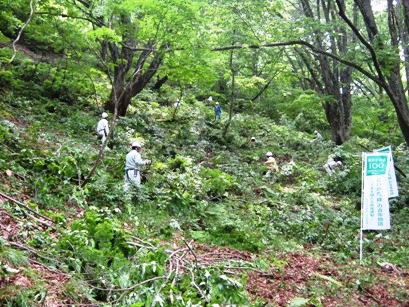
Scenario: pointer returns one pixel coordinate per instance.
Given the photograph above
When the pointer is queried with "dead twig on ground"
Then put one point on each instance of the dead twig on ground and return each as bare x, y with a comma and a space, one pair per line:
25, 207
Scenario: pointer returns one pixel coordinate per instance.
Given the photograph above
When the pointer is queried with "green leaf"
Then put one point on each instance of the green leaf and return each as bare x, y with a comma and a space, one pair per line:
298, 302
332, 280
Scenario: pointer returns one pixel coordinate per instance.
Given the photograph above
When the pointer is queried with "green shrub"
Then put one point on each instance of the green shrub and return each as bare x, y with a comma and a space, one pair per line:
215, 182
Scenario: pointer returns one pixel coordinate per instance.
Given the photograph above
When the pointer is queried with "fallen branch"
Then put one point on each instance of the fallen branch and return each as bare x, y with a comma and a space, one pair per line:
140, 245
129, 288
9, 214
15, 219
191, 251
25, 207
41, 222
142, 241
49, 269
31, 250
194, 284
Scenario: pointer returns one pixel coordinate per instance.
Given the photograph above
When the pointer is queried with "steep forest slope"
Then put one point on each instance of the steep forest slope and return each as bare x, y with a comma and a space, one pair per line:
207, 228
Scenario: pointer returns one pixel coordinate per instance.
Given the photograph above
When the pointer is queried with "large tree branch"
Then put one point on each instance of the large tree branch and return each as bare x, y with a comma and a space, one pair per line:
363, 41
89, 19
262, 90
374, 78
98, 22
32, 10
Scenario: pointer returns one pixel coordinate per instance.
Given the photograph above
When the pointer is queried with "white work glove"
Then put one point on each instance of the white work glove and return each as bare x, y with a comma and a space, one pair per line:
148, 162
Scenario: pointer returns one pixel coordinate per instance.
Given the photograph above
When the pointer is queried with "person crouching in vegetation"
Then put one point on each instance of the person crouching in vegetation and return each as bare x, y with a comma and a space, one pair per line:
330, 166
133, 165
103, 127
271, 164
318, 136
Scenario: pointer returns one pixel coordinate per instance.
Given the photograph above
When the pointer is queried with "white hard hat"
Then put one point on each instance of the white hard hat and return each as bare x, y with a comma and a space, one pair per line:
339, 163
104, 115
136, 144
315, 131
269, 154
252, 138
217, 103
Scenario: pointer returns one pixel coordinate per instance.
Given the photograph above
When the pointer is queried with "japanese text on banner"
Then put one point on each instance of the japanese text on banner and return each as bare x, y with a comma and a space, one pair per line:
375, 205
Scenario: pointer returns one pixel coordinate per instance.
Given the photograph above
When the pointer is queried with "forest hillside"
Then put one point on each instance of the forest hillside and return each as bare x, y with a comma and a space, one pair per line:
212, 224
206, 226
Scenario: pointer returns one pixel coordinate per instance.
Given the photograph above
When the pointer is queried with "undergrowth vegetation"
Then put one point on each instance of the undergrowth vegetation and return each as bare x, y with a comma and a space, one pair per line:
203, 186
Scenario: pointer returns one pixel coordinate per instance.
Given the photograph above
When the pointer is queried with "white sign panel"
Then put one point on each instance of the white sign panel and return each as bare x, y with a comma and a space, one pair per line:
375, 203
393, 184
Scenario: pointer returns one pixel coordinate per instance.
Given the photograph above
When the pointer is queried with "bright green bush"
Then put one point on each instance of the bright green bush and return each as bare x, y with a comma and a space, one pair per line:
215, 182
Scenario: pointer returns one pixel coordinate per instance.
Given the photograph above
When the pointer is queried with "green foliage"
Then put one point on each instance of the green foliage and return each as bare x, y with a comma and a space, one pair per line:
12, 258
375, 120
298, 302
35, 79
180, 163
215, 182
96, 247
204, 185
97, 238
306, 112
5, 130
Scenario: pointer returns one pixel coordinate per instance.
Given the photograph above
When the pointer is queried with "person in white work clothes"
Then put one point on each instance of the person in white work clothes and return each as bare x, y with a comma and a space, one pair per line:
133, 164
331, 165
103, 127
319, 136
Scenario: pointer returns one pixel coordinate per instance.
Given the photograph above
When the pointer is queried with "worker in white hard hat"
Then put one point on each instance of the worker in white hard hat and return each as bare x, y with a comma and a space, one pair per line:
271, 164
133, 164
177, 104
103, 127
319, 136
331, 165
252, 142
217, 111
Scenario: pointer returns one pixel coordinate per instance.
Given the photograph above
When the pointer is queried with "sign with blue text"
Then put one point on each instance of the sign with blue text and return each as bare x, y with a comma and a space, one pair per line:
375, 194
393, 184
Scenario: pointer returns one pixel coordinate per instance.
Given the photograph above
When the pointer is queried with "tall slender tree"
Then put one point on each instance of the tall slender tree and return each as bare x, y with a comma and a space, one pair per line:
384, 63
327, 76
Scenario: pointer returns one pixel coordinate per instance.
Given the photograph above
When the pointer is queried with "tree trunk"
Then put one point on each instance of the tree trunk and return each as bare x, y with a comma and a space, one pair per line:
125, 88
233, 71
395, 79
159, 82
404, 34
330, 79
392, 84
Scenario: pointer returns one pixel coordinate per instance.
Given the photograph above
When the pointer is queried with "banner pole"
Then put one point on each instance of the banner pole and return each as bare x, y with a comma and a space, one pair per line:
362, 209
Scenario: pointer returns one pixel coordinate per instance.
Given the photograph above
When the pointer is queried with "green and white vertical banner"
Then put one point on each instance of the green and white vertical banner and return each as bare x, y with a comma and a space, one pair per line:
375, 200
393, 184
375, 193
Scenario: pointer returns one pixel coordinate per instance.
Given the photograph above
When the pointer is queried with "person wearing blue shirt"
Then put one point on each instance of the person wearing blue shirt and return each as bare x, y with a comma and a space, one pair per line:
217, 111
